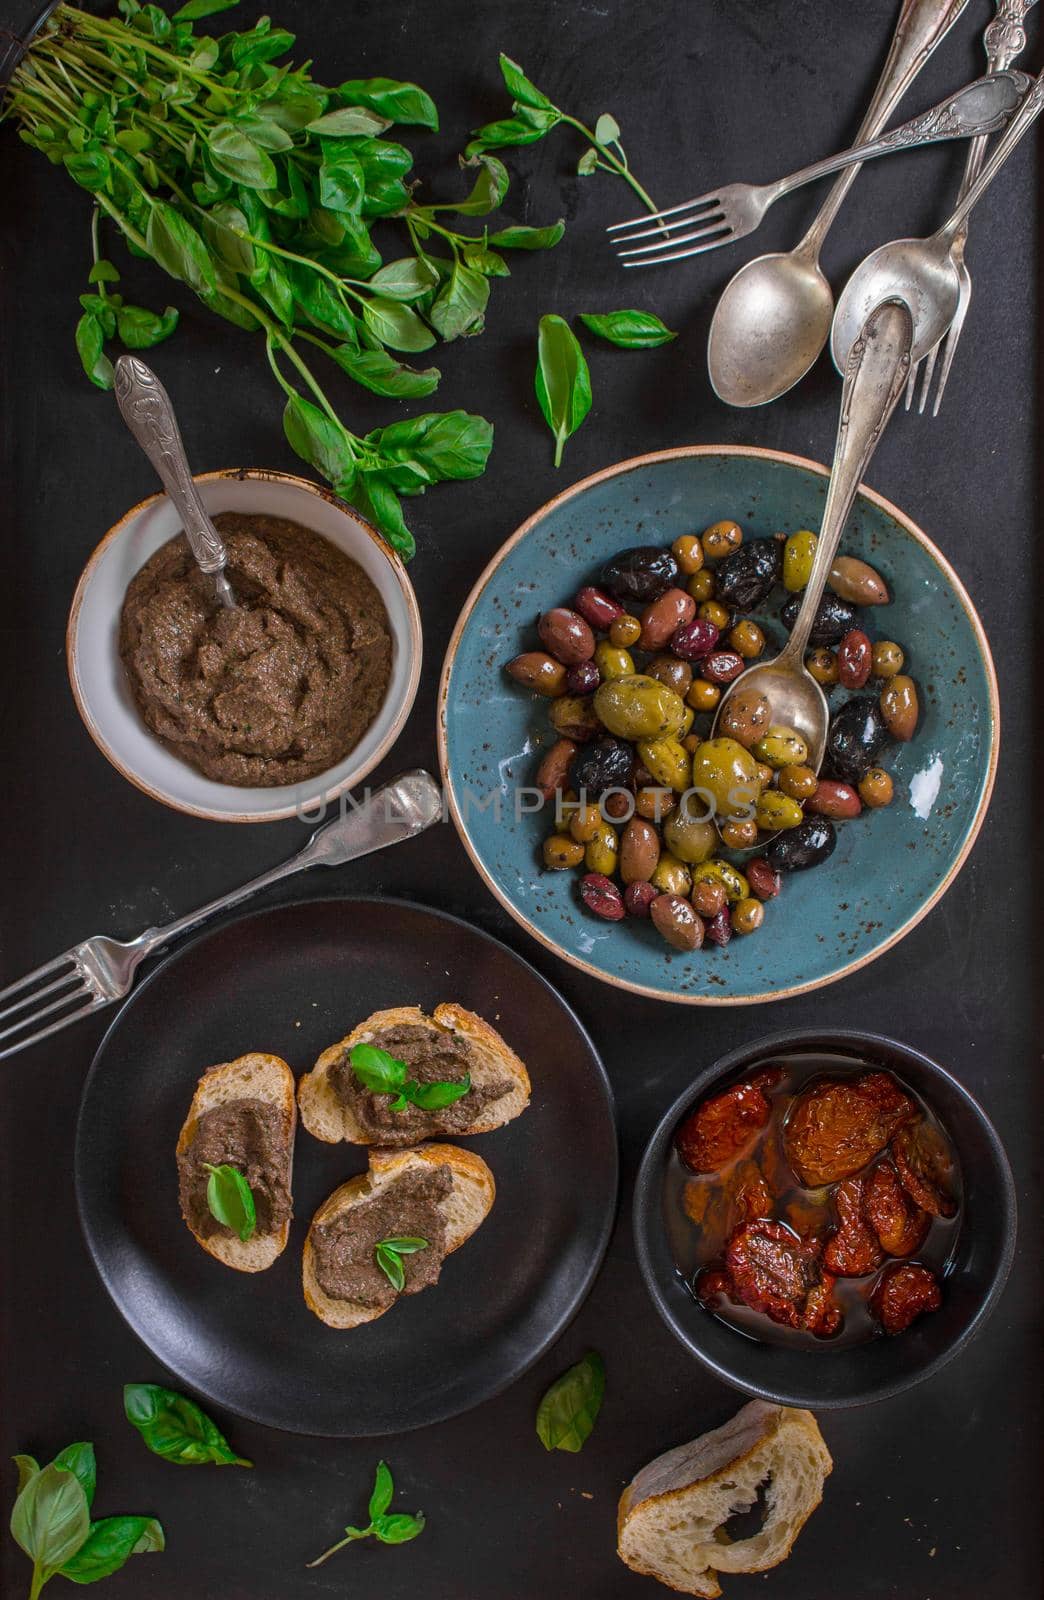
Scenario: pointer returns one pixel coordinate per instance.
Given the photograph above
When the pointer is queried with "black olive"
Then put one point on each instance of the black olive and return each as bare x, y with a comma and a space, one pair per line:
606, 764
855, 736
811, 842
833, 618
746, 577
641, 574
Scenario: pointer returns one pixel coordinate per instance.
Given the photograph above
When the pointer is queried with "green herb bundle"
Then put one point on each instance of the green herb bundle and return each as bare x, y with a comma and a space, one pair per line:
258, 188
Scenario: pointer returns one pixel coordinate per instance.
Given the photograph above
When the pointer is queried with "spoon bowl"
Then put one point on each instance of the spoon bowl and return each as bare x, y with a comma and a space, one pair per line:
796, 699
921, 273
770, 325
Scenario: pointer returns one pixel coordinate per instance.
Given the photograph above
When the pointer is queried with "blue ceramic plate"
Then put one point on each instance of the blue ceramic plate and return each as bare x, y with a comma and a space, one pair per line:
890, 866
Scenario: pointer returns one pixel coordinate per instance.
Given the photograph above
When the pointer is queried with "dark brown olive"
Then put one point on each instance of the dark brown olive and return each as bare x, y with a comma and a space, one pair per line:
811, 842
695, 640
566, 636
638, 897
643, 573
833, 619
583, 677
606, 764
721, 666
745, 579
676, 922
677, 675
854, 659
596, 608
719, 929
763, 879
857, 732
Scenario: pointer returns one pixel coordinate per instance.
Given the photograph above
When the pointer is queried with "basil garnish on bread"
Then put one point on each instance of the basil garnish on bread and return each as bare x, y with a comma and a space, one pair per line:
382, 1073
230, 1200
389, 1254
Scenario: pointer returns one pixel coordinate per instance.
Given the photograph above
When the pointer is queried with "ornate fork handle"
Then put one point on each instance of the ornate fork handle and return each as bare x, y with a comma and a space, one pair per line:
983, 108
1005, 38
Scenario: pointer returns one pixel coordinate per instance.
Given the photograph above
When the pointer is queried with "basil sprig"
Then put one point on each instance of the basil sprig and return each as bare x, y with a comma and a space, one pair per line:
563, 380
382, 1073
230, 1200
567, 1413
52, 1522
395, 1527
176, 1428
630, 330
389, 1253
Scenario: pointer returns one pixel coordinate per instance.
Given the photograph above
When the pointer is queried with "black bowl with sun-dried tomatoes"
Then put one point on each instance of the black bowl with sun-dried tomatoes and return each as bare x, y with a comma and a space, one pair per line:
825, 1218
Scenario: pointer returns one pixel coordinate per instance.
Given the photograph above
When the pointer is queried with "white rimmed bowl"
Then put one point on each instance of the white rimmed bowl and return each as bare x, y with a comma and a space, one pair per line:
99, 682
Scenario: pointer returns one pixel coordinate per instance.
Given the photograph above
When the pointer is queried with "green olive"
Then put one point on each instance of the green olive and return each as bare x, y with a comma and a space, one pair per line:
688, 833
731, 879
747, 916
671, 876
722, 769
600, 853
612, 661
798, 555
667, 760
781, 747
638, 707
777, 810
561, 852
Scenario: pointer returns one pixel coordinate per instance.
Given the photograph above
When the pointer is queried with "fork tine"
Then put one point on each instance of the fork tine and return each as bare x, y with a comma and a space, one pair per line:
952, 340
658, 216
46, 1011
911, 386
926, 383
37, 973
53, 1027
38, 994
714, 225
680, 255
661, 228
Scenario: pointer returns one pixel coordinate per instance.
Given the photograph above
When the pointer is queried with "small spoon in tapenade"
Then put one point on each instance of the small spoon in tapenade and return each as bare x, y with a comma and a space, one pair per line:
146, 409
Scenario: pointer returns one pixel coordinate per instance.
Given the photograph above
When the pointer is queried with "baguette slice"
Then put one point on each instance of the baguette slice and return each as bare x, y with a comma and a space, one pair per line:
671, 1514
250, 1077
328, 1119
465, 1207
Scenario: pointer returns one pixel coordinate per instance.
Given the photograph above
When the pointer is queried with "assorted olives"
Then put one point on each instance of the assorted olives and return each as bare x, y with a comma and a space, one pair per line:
648, 805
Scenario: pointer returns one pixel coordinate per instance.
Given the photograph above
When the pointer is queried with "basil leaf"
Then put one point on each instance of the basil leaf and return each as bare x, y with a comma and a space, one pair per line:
90, 343
489, 188
376, 499
383, 1489
588, 163
320, 301
506, 134
390, 1264
398, 1529
396, 325
631, 330
28, 1467
264, 131
378, 371
261, 44
231, 1201
566, 1414
521, 238
140, 329
405, 280
89, 168
176, 1428
318, 440
488, 262
459, 309
51, 1518
104, 271
398, 102
110, 1544
563, 382
406, 1245
348, 120
606, 129
222, 224
202, 8
341, 183
79, 1460
520, 87
449, 444
235, 154
178, 248
433, 1096
376, 1070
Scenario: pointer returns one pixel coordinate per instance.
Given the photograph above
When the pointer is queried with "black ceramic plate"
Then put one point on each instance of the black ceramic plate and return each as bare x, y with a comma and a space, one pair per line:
292, 980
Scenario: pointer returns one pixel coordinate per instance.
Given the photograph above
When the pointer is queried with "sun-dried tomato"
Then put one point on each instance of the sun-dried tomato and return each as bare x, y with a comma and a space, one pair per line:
713, 1285
722, 1128
852, 1251
897, 1222
775, 1272
904, 1291
838, 1125
925, 1164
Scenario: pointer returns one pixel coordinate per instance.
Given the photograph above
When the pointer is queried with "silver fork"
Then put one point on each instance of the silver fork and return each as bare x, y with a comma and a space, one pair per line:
100, 970
1004, 41
724, 215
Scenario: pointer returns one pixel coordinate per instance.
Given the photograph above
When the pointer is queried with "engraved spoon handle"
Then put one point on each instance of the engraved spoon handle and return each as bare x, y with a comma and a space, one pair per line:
146, 409
1004, 41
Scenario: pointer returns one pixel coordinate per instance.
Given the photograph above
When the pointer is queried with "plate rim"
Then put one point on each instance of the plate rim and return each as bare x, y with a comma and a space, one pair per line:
581, 1288
618, 469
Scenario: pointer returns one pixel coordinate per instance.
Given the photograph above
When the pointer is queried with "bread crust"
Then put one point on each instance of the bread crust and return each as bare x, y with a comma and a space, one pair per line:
325, 1117
252, 1076
468, 1204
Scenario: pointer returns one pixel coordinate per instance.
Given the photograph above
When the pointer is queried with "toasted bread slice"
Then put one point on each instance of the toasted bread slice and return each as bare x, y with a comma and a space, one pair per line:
671, 1515
465, 1207
250, 1077
324, 1115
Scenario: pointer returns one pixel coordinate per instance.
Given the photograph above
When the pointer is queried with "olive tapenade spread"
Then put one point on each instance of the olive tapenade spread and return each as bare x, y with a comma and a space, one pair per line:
345, 1247
432, 1056
249, 1135
275, 691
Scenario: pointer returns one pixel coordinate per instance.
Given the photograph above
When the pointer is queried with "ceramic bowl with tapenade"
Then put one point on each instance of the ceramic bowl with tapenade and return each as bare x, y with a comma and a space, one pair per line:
252, 713
629, 833
825, 1218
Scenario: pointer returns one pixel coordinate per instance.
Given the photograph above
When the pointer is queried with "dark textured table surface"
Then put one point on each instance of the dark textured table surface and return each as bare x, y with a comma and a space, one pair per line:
934, 1494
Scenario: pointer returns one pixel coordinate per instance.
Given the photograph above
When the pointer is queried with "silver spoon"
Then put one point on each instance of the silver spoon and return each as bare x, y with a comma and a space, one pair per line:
773, 318
875, 377
146, 409
922, 272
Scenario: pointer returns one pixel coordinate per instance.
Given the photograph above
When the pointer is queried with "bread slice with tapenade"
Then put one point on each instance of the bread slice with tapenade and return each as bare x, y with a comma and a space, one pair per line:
672, 1516
243, 1114
335, 1106
437, 1193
